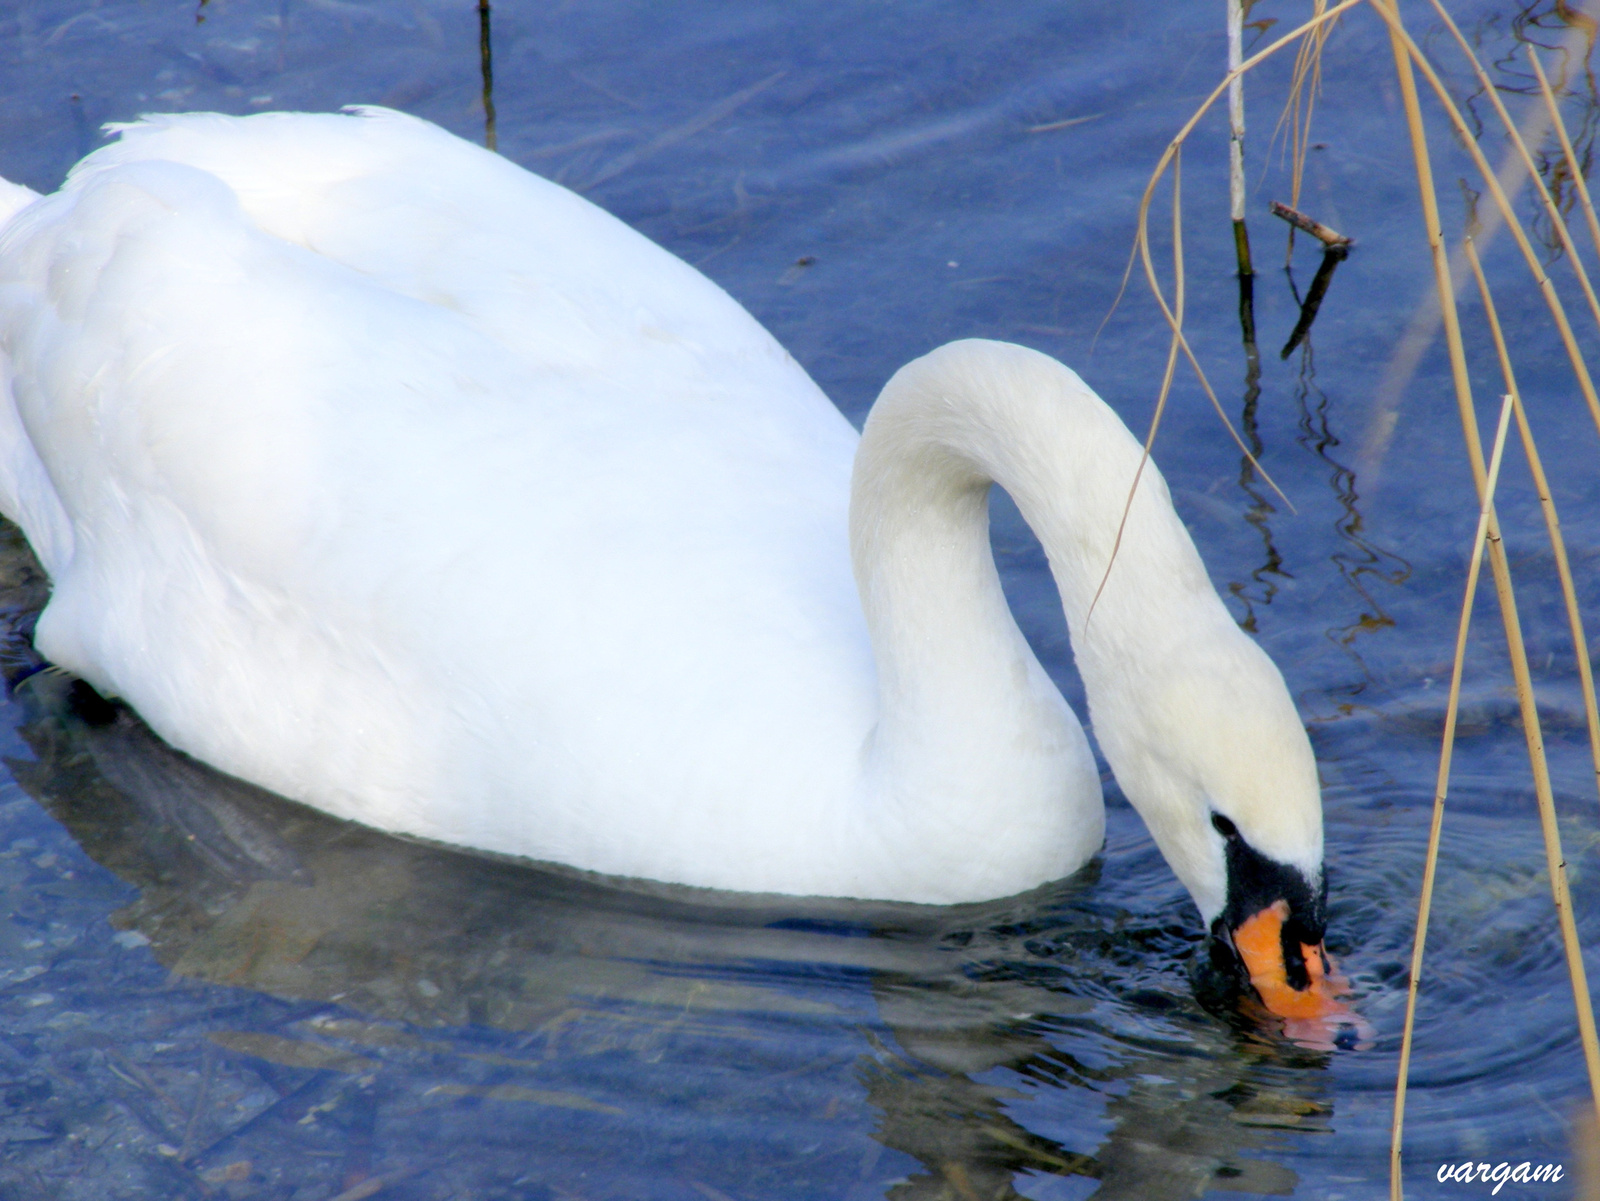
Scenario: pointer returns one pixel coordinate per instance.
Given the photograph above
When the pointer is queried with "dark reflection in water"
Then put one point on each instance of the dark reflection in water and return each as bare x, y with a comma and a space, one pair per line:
1332, 256
1260, 508
1546, 25
426, 986
1360, 561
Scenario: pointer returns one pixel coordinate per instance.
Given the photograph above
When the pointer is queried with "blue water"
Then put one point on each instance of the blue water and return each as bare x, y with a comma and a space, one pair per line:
208, 992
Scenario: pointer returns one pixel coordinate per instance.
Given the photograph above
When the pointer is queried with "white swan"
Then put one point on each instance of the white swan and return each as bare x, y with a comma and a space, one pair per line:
375, 470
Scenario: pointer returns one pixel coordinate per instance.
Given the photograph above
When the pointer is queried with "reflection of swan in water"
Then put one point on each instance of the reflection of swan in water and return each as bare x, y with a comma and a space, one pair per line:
377, 471
239, 888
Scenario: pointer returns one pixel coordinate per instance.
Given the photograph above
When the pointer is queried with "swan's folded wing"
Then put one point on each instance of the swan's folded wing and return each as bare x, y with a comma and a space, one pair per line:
321, 524
556, 280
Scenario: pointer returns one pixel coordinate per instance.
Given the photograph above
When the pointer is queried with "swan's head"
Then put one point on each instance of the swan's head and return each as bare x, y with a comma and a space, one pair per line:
1209, 749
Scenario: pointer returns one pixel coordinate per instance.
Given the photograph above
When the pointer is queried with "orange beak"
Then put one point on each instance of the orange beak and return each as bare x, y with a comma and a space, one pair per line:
1313, 1015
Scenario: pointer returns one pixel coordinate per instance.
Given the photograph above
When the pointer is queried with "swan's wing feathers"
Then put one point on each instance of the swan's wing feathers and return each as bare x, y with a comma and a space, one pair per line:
231, 430
403, 445
550, 276
170, 354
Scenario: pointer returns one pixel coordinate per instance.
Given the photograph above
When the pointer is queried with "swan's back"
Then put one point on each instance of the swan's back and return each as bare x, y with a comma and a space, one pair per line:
376, 470
424, 214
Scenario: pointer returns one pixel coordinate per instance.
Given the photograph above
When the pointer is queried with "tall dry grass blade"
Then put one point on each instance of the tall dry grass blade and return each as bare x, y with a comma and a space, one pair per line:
1399, 44
1142, 236
1305, 85
1405, 54
1122, 288
1166, 375
1174, 319
1447, 748
1558, 312
1427, 320
1573, 167
1558, 545
1552, 210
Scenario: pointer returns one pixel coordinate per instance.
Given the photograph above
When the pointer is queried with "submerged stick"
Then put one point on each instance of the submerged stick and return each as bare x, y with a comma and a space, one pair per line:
1316, 229
1247, 322
1446, 752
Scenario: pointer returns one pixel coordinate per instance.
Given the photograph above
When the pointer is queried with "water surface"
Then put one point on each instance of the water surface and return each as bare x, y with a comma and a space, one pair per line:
206, 991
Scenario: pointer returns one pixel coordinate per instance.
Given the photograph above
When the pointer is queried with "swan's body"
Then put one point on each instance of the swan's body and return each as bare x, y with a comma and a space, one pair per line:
370, 468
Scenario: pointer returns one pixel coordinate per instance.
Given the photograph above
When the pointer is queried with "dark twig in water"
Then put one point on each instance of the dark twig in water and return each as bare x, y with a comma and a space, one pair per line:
1316, 229
486, 58
1247, 321
1331, 258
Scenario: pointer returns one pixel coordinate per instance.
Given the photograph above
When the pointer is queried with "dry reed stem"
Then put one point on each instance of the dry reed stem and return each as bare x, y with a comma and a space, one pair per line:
1166, 377
1175, 320
1305, 86
1441, 788
1413, 54
1550, 207
1586, 1145
1566, 147
1405, 53
1558, 545
1425, 322
1194, 119
1236, 114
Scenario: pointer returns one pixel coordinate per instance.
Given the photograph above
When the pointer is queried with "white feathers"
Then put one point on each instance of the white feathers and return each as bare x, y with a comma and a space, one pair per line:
376, 470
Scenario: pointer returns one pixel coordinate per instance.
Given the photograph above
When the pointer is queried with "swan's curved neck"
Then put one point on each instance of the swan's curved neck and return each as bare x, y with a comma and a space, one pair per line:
949, 653
962, 697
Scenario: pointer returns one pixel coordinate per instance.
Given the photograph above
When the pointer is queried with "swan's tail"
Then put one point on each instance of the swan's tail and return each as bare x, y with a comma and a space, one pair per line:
13, 199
